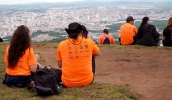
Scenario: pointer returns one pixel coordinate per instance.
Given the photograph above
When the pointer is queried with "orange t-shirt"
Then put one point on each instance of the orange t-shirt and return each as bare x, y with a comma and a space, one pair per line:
128, 31
76, 61
103, 37
22, 67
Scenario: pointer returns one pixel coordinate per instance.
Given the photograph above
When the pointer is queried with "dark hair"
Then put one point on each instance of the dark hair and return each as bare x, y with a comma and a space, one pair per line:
85, 31
105, 31
140, 30
20, 41
74, 33
129, 18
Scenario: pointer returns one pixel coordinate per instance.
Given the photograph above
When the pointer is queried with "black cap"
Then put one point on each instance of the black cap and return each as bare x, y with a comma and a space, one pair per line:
72, 27
129, 18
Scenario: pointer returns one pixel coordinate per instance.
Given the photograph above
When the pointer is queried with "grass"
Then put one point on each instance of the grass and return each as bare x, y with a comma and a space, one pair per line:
94, 91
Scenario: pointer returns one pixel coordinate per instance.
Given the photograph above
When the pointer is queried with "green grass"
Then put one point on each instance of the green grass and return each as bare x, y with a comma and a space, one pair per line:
95, 91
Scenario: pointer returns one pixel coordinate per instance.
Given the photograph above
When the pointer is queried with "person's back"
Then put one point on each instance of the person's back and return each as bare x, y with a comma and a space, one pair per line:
75, 56
149, 37
167, 33
106, 38
128, 32
19, 59
147, 34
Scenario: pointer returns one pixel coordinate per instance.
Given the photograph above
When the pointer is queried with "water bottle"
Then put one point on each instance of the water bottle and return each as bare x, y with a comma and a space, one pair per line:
161, 44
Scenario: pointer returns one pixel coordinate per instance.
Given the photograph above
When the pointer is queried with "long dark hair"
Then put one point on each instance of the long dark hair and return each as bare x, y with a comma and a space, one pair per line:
140, 31
85, 31
20, 41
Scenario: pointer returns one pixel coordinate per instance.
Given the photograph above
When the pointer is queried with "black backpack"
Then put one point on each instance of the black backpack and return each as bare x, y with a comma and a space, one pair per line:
106, 41
46, 83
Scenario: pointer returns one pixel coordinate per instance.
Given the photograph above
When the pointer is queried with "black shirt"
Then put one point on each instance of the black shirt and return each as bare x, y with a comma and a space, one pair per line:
167, 32
150, 36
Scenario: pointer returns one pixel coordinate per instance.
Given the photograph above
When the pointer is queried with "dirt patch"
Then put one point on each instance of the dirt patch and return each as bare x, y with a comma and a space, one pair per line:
147, 71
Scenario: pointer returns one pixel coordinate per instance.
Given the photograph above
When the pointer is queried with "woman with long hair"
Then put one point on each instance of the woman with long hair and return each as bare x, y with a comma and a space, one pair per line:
167, 33
19, 59
147, 34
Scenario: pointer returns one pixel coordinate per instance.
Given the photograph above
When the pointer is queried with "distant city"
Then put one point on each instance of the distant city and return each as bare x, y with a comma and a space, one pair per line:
47, 21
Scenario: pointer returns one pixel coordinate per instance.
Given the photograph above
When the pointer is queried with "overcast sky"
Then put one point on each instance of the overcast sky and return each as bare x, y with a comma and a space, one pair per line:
28, 1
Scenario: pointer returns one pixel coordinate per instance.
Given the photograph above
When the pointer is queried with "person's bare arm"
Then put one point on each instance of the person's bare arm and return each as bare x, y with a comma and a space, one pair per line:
33, 68
59, 63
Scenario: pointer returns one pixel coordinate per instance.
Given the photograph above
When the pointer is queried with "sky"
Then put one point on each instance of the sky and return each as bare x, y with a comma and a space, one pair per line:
28, 1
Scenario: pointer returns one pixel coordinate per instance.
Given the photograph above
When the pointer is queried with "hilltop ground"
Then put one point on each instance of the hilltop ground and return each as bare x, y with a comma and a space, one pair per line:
146, 70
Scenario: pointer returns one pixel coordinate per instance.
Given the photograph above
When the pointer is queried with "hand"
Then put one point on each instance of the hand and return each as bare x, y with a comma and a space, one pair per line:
160, 33
37, 57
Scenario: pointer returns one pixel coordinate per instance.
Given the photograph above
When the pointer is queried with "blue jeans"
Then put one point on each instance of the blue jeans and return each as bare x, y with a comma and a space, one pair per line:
17, 81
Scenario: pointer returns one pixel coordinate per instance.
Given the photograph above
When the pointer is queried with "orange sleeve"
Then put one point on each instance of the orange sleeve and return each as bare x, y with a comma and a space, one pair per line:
32, 59
100, 41
95, 48
58, 54
112, 40
6, 55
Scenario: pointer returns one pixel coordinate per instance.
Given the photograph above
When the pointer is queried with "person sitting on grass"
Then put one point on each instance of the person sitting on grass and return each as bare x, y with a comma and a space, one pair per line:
106, 38
74, 57
85, 35
167, 33
147, 34
128, 32
19, 59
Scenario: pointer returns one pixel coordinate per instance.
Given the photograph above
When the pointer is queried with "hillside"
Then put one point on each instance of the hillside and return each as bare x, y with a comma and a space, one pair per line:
145, 70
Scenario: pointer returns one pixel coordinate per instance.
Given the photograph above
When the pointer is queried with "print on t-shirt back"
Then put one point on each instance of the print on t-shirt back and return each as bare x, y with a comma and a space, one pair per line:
80, 51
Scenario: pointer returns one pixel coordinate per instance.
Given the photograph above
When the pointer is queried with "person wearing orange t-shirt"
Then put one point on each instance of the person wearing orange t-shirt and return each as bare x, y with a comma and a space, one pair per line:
103, 37
74, 57
128, 32
85, 35
19, 59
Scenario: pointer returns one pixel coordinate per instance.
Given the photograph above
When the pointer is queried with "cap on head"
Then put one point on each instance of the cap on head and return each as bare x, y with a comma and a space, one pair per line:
129, 18
72, 27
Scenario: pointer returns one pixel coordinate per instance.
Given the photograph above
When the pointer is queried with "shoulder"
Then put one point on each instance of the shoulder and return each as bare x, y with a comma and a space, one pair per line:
150, 25
7, 48
111, 36
63, 42
88, 39
123, 25
29, 49
168, 28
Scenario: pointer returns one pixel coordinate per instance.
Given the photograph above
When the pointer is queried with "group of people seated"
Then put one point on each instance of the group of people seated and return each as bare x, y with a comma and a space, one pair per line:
76, 55
75, 58
146, 34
